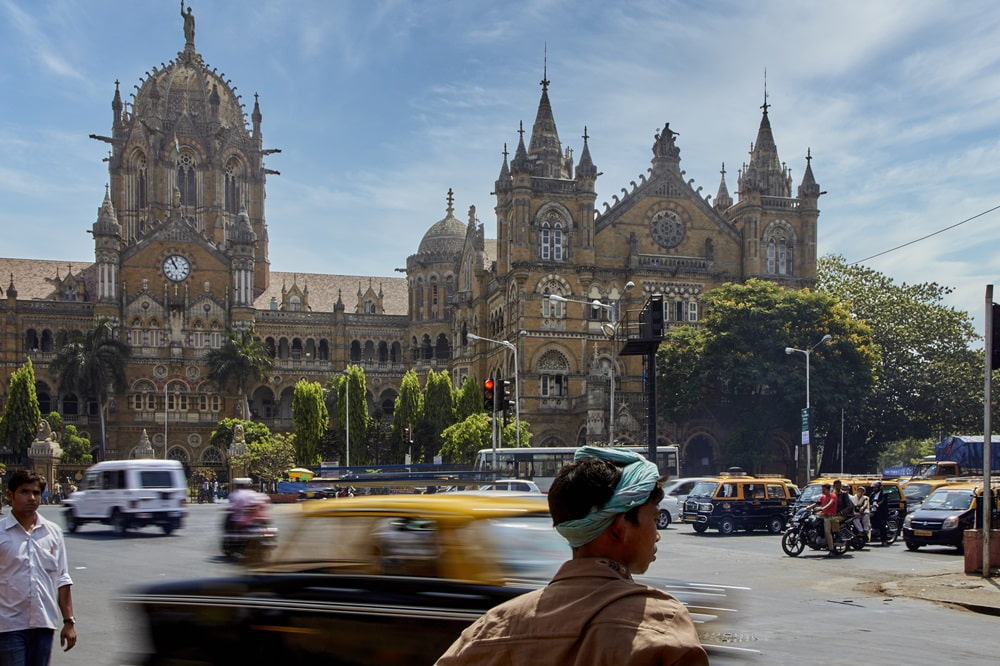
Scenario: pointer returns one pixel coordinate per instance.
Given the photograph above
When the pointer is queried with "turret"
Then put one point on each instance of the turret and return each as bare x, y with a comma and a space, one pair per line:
107, 249
722, 198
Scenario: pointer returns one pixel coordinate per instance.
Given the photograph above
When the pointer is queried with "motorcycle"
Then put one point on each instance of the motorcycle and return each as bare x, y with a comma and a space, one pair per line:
806, 529
248, 534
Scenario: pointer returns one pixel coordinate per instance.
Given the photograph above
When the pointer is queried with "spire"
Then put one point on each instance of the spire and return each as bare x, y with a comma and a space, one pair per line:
116, 107
544, 149
520, 162
586, 168
809, 187
451, 203
765, 173
256, 117
107, 222
11, 291
503, 180
722, 198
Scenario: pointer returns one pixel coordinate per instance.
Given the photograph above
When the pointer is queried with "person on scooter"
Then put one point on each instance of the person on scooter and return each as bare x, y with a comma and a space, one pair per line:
862, 518
827, 505
240, 501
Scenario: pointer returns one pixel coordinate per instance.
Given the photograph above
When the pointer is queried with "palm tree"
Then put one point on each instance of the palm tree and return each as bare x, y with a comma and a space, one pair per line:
241, 360
92, 364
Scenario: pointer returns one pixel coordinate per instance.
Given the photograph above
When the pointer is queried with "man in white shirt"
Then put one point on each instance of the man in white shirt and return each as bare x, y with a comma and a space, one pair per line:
35, 597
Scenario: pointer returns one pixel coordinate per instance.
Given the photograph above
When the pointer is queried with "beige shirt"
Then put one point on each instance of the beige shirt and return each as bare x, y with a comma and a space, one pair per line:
590, 613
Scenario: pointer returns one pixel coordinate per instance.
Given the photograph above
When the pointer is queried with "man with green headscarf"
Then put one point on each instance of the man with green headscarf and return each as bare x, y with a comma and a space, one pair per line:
604, 504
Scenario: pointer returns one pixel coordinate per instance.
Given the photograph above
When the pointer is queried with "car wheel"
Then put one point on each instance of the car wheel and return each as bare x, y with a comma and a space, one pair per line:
792, 544
699, 527
663, 520
168, 527
775, 525
72, 522
727, 526
912, 545
119, 522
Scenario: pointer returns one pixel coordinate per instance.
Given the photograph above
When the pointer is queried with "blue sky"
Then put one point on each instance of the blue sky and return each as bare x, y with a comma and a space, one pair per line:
380, 107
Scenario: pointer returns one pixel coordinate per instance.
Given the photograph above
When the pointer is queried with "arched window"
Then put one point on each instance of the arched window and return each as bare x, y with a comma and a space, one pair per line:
47, 340
553, 370
186, 180
31, 340
234, 176
427, 351
551, 240
324, 350
212, 457
356, 351
552, 309
383, 352
442, 349
396, 353
296, 349
369, 353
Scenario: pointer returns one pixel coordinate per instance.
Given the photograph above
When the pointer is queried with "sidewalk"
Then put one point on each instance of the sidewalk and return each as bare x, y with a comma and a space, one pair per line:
970, 591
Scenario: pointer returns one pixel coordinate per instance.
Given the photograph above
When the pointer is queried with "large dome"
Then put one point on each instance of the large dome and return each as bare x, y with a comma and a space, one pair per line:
446, 236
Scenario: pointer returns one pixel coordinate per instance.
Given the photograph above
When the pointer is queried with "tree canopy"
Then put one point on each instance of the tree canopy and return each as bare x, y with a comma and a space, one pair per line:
408, 412
242, 360
929, 379
19, 423
735, 367
464, 439
468, 399
352, 418
311, 420
439, 413
92, 364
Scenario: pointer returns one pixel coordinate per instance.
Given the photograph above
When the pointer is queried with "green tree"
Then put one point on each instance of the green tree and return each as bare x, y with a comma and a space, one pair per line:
242, 360
439, 412
311, 420
929, 380
222, 436
19, 424
92, 364
352, 385
735, 365
469, 399
56, 422
463, 440
408, 412
75, 449
908, 451
267, 459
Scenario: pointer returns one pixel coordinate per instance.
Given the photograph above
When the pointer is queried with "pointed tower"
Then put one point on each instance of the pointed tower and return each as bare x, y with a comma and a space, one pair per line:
722, 198
107, 251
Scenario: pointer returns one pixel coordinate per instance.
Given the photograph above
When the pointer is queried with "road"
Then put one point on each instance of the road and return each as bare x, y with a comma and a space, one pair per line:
799, 610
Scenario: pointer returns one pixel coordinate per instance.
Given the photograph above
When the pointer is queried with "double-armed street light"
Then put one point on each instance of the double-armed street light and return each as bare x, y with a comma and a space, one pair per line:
807, 433
517, 396
612, 333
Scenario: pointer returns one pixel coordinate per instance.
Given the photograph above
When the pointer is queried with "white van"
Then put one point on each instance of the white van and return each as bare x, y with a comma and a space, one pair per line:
130, 493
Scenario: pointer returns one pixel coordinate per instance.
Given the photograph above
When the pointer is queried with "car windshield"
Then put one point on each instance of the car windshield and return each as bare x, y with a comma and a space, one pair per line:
810, 493
948, 500
156, 479
704, 489
915, 492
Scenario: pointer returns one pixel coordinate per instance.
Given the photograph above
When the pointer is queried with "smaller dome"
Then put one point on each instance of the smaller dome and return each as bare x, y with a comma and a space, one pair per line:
446, 236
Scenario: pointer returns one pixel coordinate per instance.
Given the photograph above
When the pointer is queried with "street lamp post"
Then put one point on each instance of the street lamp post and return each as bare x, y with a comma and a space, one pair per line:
808, 436
347, 416
612, 333
166, 415
517, 395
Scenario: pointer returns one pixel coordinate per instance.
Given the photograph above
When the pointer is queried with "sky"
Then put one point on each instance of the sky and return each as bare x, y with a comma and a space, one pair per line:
379, 107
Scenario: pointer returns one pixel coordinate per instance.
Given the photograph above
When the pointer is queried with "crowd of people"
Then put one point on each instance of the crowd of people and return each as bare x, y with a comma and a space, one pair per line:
868, 510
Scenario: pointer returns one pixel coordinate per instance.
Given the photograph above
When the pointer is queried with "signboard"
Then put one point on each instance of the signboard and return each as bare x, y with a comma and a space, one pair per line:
805, 426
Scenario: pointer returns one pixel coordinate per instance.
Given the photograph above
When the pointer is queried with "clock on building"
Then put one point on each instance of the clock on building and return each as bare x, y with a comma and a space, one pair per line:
667, 229
176, 268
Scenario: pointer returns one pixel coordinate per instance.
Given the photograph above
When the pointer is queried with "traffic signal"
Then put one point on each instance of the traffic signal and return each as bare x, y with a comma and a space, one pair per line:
503, 395
489, 399
406, 435
656, 316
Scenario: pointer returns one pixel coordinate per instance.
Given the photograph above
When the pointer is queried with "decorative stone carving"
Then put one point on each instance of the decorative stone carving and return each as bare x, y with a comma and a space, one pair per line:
145, 447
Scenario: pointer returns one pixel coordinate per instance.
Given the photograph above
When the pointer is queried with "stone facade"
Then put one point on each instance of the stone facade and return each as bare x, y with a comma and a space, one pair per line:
181, 254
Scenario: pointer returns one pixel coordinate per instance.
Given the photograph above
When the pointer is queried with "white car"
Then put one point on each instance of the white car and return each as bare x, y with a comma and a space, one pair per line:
520, 485
670, 511
681, 488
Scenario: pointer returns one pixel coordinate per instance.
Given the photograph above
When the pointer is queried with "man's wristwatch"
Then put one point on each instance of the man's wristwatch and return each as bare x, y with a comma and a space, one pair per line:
69, 620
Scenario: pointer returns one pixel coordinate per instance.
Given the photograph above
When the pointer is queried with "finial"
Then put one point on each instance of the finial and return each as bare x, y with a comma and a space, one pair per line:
520, 130
585, 136
809, 155
765, 104
545, 69
451, 200
723, 172
505, 153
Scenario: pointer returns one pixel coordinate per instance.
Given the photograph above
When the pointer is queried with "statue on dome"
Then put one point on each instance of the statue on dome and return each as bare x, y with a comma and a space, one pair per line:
188, 25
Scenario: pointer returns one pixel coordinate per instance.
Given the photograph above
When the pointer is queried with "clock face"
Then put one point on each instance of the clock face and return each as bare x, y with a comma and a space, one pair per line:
667, 229
176, 268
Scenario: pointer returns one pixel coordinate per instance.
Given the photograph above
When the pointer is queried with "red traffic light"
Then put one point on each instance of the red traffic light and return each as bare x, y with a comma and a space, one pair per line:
488, 385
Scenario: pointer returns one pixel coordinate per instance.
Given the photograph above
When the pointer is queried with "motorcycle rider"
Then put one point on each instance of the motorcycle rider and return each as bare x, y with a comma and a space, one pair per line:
880, 512
241, 500
827, 505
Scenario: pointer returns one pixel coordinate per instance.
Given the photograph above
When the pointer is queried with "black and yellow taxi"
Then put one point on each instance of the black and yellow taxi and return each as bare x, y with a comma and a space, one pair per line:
377, 580
945, 514
735, 500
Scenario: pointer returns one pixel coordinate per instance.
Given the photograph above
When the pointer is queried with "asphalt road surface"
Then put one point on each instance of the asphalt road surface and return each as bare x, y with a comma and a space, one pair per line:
800, 610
